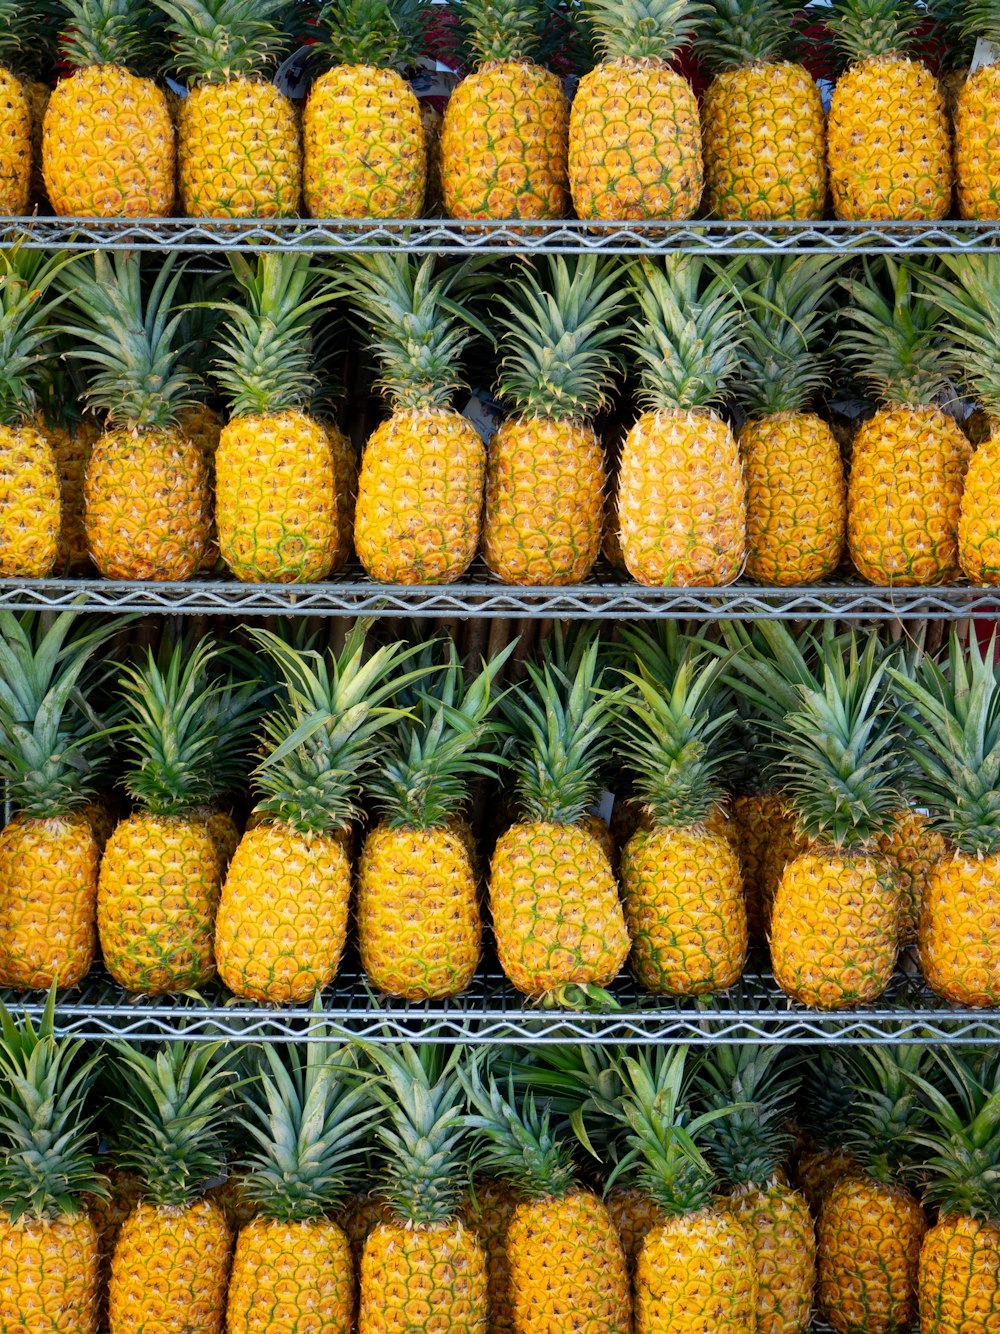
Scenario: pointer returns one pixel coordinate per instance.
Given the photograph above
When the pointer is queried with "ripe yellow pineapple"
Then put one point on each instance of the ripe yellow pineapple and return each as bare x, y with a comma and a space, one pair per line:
914, 847
762, 121
503, 140
72, 441
976, 112
545, 474
635, 1213
888, 137
202, 425
107, 139
365, 150
756, 815
420, 490
488, 1209
16, 120
634, 131
681, 492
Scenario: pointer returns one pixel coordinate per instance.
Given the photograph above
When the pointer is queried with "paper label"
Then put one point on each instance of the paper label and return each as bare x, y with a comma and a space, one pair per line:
433, 79
986, 53
484, 412
604, 806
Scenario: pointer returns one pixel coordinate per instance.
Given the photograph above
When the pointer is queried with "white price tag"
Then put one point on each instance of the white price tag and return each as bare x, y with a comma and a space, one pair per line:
291, 76
603, 806
986, 53
484, 412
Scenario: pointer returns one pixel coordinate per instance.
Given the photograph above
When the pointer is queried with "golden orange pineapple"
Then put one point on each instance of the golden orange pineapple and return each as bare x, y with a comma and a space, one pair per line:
976, 108
914, 847
635, 1213
420, 490
545, 475
202, 425
681, 493
365, 149
108, 138
19, 41
634, 131
504, 136
888, 137
72, 441
108, 1213
756, 816
488, 1209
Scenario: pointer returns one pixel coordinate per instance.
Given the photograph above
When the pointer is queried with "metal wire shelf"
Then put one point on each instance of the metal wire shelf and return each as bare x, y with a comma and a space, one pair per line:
491, 1011
441, 236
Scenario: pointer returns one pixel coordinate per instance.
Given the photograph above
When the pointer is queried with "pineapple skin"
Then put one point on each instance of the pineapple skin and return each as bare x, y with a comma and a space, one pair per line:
504, 144
420, 493
635, 1214
365, 152
418, 920
819, 1169
282, 919
556, 912
488, 1213
17, 140
682, 500
148, 505
914, 849
796, 498
755, 815
30, 505
72, 446
977, 145
904, 496
108, 146
238, 151
158, 892
685, 910
869, 1252
291, 1276
777, 1220
170, 1269
696, 1272
49, 1274
48, 900
979, 518
764, 135
834, 928
544, 501
958, 1287
635, 148
566, 1260
889, 142
960, 929
275, 506
436, 1270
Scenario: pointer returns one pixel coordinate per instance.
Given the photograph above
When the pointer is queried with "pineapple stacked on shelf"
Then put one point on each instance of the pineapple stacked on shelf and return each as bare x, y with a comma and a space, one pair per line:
18, 151
977, 118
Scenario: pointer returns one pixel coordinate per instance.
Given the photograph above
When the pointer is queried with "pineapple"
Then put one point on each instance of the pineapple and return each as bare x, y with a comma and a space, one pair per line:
276, 504
796, 490
146, 487
976, 120
681, 880
365, 152
422, 1267
16, 124
282, 918
634, 132
871, 1226
488, 1209
545, 474
420, 490
826, 1095
751, 1146
681, 492
959, 1282
503, 139
835, 921
48, 852
888, 138
566, 1262
49, 1255
107, 139
238, 151
417, 910
557, 919
72, 442
914, 847
757, 816
292, 1266
953, 742
909, 461
762, 123
171, 1262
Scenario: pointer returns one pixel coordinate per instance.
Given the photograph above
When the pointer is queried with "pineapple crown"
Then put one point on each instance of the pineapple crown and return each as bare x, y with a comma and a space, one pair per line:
974, 19
558, 362
962, 1168
968, 291
265, 345
48, 733
308, 1126
687, 340
321, 739
561, 736
25, 327
137, 373
826, 1095
673, 732
501, 30
175, 1106
218, 40
896, 346
106, 32
953, 739
745, 32
752, 1143
386, 34
13, 34
866, 28
887, 1111
438, 746
648, 30
47, 1162
413, 325
788, 312
427, 1163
